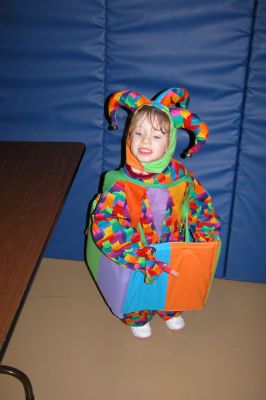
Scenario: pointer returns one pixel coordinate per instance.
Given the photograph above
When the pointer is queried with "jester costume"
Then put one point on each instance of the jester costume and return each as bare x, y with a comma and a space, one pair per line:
153, 240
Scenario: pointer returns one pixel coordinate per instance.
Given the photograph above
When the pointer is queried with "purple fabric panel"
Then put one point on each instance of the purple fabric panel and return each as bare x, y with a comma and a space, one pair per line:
113, 281
158, 201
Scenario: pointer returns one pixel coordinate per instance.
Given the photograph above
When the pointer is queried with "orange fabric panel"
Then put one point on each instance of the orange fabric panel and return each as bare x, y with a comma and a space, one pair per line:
195, 263
134, 196
178, 194
131, 159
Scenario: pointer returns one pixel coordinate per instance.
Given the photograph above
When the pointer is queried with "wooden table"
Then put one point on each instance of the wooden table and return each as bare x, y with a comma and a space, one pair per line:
34, 180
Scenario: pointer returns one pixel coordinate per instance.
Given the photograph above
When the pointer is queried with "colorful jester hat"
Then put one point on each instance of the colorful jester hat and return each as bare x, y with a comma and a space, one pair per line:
174, 103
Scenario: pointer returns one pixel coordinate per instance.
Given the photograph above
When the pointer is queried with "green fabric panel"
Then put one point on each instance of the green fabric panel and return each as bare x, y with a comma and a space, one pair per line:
155, 185
214, 270
142, 235
112, 177
191, 194
93, 254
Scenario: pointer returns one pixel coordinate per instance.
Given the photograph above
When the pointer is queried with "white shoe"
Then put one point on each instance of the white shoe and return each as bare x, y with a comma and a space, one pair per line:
141, 332
175, 323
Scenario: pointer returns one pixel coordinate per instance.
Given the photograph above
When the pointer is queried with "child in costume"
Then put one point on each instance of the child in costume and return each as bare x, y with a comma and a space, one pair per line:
153, 202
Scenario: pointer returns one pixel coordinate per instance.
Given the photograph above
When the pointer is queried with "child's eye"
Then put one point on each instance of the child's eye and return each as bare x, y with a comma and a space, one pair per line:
137, 133
157, 137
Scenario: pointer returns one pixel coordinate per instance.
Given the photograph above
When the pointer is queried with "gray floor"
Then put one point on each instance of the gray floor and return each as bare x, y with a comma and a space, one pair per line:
72, 347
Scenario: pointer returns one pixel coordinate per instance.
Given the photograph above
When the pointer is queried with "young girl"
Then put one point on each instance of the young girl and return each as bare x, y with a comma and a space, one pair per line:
142, 206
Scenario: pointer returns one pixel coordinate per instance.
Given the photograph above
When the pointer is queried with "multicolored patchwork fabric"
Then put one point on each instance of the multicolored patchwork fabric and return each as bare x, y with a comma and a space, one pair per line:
118, 236
115, 236
139, 245
137, 235
173, 102
140, 318
125, 291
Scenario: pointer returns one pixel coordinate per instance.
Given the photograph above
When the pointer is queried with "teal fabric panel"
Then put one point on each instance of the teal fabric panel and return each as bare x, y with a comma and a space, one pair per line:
142, 296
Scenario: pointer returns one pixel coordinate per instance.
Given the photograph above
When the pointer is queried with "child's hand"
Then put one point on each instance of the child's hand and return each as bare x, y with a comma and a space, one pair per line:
173, 272
152, 274
148, 280
170, 271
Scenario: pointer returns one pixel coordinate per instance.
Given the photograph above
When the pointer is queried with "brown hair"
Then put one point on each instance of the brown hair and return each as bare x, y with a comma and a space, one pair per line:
157, 118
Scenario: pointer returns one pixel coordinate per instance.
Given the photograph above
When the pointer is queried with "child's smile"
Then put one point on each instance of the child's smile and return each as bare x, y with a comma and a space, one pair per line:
144, 151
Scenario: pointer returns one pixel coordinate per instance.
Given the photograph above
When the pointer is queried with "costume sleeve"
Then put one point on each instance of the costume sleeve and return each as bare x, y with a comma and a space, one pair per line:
203, 221
115, 236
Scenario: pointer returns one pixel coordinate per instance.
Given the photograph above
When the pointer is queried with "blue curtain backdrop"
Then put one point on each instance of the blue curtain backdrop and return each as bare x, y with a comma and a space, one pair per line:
60, 59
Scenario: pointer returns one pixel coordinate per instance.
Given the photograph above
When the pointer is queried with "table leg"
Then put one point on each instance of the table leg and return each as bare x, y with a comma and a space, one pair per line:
4, 369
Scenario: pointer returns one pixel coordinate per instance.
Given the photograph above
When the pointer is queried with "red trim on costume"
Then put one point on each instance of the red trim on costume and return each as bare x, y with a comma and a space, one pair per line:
137, 175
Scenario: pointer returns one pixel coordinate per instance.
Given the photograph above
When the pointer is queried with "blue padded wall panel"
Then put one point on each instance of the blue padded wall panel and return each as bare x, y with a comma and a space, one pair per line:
202, 46
51, 88
60, 59
246, 259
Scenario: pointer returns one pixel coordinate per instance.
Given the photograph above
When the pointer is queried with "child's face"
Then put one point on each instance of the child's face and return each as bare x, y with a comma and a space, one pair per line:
148, 142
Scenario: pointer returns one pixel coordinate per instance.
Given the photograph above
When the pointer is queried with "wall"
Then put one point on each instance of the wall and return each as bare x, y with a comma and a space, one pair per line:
61, 59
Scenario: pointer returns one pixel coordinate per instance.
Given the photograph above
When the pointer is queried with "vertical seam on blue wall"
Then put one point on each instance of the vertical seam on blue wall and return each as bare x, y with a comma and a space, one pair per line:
104, 83
241, 132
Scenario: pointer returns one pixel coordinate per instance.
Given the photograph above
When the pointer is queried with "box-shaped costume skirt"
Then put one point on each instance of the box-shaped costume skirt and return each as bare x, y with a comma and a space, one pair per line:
125, 291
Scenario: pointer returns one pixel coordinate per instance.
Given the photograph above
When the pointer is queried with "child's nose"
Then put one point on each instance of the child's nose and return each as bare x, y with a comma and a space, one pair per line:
146, 139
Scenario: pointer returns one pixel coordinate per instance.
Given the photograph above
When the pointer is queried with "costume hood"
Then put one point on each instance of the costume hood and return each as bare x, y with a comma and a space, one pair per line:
174, 103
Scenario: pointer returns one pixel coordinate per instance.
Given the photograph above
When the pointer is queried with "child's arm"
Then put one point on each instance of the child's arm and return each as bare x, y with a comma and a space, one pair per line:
203, 220
119, 240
